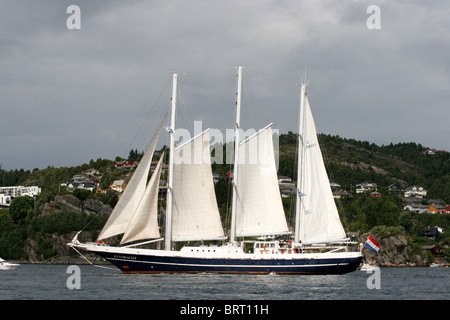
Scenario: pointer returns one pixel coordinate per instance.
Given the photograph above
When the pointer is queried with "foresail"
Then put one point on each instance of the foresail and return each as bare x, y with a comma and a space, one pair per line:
195, 214
129, 201
319, 216
144, 224
259, 208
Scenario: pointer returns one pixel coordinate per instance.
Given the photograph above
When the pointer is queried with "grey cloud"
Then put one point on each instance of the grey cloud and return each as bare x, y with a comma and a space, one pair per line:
67, 96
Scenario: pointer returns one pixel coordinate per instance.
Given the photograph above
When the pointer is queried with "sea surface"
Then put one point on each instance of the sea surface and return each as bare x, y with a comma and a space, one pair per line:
64, 282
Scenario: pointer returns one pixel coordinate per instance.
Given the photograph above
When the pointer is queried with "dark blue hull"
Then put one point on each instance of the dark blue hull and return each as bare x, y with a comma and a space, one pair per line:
166, 264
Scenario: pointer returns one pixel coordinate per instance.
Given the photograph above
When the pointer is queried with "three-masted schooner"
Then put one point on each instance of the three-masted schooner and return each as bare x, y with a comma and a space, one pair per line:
319, 242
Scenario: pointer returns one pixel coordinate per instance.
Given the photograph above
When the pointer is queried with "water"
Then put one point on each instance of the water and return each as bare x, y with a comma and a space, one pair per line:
49, 282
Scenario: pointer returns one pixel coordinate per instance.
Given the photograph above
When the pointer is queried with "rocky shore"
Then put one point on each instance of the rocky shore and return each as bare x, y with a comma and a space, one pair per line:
70, 203
395, 251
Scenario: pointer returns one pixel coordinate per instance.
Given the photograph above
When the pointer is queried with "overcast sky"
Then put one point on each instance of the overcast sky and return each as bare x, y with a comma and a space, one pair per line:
68, 96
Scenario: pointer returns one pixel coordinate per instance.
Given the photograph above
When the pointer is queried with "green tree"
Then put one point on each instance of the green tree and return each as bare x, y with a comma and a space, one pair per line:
82, 194
405, 220
135, 155
21, 209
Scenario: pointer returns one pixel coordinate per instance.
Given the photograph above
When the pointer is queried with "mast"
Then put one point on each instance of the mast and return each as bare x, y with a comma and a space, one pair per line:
236, 155
171, 129
298, 208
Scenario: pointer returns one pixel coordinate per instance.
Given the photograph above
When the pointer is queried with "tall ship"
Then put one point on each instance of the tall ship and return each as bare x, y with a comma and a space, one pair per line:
317, 245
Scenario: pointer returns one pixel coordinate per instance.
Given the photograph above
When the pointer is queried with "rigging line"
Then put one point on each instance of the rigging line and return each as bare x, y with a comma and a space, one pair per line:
93, 263
185, 113
149, 112
291, 212
229, 195
284, 131
208, 71
327, 163
134, 138
250, 108
273, 77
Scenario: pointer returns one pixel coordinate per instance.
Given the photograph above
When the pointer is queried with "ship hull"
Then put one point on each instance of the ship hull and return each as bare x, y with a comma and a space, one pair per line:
156, 261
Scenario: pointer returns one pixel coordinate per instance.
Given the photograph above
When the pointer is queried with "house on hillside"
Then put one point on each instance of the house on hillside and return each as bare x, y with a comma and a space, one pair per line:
18, 191
80, 178
80, 181
433, 151
5, 200
284, 179
91, 172
375, 194
216, 177
415, 191
164, 166
419, 208
81, 185
125, 165
286, 186
365, 187
286, 189
431, 232
118, 185
436, 209
435, 250
334, 185
340, 193
394, 188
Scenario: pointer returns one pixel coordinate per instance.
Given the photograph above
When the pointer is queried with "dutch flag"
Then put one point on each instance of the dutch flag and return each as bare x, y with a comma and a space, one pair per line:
372, 244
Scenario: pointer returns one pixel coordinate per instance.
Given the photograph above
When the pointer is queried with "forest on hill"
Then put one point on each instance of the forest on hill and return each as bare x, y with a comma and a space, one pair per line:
349, 163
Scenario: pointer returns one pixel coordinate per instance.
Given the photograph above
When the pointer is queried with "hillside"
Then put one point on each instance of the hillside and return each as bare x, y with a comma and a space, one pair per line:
37, 232
351, 162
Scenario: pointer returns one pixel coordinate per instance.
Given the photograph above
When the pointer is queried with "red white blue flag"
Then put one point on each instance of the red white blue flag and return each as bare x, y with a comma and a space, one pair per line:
372, 244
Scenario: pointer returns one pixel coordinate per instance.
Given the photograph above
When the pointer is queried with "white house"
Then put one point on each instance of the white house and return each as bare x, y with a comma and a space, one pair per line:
284, 179
415, 191
366, 186
18, 191
419, 208
5, 200
334, 184
9, 193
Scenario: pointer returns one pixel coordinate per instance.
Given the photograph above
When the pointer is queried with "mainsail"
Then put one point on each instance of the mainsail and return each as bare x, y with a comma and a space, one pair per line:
195, 214
259, 208
128, 203
319, 216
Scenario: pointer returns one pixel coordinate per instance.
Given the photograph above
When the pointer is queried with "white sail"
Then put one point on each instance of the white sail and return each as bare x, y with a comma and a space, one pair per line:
259, 209
195, 214
319, 216
144, 224
125, 208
